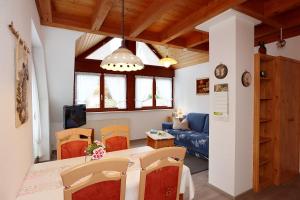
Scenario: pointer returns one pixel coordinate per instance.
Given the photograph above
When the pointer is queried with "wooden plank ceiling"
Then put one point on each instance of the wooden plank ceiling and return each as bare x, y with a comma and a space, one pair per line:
86, 41
167, 22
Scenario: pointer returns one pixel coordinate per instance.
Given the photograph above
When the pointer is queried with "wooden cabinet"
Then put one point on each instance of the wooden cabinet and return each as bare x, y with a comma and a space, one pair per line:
276, 120
286, 163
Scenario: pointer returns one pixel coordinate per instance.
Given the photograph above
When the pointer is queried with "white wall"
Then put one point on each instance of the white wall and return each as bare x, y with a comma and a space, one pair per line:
60, 57
230, 143
244, 108
16, 143
185, 89
291, 49
222, 133
138, 121
42, 84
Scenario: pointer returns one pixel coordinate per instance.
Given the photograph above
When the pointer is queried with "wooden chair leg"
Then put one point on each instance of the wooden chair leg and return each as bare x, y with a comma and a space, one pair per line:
180, 196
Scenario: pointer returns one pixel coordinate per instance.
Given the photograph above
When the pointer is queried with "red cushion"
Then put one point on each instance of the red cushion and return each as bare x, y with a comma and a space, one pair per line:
107, 190
73, 149
161, 184
116, 143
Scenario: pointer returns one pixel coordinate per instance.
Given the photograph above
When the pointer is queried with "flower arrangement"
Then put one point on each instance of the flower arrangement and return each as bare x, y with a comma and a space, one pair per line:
161, 133
96, 150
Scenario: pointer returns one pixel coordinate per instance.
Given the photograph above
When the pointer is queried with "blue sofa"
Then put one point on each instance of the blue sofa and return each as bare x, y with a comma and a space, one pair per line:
196, 139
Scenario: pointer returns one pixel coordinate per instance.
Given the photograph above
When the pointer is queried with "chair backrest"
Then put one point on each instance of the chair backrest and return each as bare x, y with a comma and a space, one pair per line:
161, 171
69, 144
99, 179
115, 137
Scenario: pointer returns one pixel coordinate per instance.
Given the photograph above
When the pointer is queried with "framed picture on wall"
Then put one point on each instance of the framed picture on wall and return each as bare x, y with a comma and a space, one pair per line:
202, 86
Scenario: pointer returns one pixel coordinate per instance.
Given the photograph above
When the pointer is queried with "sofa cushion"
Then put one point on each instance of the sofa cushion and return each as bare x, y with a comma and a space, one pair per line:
199, 142
182, 125
182, 138
196, 121
206, 125
167, 125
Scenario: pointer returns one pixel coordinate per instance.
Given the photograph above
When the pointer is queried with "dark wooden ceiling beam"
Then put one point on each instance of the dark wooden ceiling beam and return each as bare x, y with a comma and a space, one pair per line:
288, 20
101, 12
204, 47
45, 9
197, 40
152, 48
274, 7
150, 15
256, 13
263, 29
69, 20
287, 33
78, 26
190, 22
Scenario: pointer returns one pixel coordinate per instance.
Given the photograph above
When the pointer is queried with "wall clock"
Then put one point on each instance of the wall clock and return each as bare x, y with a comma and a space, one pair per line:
246, 79
221, 71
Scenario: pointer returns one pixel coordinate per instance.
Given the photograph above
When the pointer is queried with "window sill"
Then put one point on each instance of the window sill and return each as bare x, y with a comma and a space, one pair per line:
130, 111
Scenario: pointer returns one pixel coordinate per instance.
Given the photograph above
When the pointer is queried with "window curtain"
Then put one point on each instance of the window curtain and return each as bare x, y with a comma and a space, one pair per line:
36, 119
163, 92
143, 91
116, 85
88, 90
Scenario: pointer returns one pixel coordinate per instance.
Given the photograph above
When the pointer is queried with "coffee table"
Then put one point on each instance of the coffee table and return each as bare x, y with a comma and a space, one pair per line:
158, 141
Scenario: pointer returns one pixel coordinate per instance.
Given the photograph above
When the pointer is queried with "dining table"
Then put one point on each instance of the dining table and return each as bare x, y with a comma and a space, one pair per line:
43, 180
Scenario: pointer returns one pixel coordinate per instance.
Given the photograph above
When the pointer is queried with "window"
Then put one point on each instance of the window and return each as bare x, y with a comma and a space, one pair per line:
106, 49
115, 91
111, 92
88, 90
143, 92
146, 54
163, 92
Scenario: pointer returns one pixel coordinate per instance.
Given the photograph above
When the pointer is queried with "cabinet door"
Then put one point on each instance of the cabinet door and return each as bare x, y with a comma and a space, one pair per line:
289, 134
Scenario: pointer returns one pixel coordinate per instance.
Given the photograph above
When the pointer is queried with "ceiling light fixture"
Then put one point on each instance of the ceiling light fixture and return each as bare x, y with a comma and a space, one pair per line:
168, 61
122, 59
281, 43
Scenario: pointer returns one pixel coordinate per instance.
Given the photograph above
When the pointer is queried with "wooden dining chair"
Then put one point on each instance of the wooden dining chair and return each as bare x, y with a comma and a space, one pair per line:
161, 174
96, 180
70, 144
115, 137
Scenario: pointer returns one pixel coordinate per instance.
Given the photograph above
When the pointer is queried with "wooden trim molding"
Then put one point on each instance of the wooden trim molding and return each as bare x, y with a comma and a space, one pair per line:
93, 66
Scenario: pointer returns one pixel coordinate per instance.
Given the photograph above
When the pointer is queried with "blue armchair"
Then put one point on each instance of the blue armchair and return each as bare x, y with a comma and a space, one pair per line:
196, 139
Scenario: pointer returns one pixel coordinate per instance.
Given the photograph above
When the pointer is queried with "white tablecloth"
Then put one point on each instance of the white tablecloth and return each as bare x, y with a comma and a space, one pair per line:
43, 181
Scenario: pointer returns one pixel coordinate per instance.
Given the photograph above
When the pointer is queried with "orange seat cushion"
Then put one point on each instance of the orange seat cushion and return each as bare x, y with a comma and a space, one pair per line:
116, 143
161, 184
73, 149
106, 190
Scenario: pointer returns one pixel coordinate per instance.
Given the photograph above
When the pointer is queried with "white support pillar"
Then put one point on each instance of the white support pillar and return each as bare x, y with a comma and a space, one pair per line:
231, 42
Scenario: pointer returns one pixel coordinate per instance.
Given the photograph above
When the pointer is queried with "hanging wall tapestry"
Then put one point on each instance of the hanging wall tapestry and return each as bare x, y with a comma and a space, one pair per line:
22, 79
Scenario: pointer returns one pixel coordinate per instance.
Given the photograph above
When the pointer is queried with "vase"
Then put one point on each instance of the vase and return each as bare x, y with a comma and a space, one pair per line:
262, 48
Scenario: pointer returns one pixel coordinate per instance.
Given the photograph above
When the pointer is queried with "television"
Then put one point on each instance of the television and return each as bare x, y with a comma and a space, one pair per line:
74, 116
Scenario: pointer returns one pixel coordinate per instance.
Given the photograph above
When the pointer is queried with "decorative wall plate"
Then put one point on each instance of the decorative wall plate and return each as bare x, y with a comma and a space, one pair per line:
246, 79
221, 71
